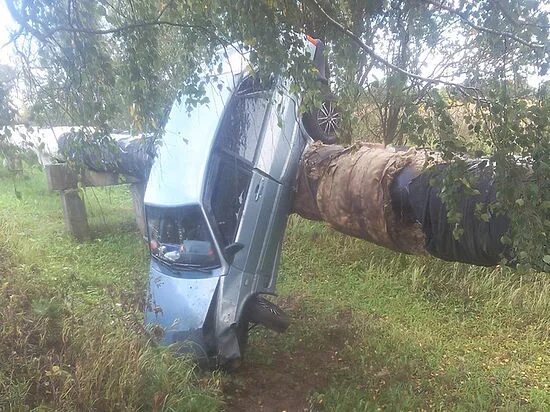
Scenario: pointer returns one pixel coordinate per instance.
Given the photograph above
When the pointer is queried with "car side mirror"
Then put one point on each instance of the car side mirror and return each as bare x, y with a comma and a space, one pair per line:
231, 250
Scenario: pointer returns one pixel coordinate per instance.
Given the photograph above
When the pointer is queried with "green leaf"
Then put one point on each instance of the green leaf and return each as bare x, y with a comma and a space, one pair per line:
523, 255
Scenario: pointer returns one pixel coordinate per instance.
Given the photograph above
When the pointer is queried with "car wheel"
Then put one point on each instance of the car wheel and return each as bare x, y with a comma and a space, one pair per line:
323, 123
262, 311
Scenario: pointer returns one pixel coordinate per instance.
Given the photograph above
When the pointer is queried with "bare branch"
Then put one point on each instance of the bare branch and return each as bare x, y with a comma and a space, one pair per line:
464, 18
370, 51
13, 38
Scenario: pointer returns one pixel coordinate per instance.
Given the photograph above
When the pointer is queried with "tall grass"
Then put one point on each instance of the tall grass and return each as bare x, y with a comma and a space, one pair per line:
412, 333
426, 334
498, 292
71, 331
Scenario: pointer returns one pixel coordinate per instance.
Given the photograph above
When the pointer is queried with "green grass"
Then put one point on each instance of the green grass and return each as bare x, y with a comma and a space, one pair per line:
71, 334
371, 329
426, 334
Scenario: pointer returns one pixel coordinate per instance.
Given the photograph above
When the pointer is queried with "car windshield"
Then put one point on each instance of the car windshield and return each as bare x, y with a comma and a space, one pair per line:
180, 235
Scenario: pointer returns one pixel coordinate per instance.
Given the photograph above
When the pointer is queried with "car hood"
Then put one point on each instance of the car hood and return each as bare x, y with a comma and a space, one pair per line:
178, 305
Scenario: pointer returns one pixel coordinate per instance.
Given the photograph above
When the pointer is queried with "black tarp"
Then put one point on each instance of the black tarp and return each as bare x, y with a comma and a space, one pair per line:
124, 154
480, 243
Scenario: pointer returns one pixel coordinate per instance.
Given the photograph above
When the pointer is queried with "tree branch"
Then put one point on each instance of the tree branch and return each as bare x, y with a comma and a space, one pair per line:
13, 38
22, 20
120, 29
370, 51
464, 18
516, 20
164, 8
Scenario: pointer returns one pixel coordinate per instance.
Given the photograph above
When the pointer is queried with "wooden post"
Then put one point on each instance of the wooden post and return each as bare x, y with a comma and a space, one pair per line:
138, 193
61, 177
74, 213
65, 180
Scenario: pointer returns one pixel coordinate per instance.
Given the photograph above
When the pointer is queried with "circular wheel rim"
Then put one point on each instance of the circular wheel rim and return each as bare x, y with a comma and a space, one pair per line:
328, 118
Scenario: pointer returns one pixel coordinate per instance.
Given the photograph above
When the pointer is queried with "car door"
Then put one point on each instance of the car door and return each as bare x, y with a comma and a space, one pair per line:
278, 156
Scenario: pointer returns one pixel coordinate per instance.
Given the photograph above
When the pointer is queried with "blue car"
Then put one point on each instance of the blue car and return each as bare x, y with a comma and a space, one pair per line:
216, 204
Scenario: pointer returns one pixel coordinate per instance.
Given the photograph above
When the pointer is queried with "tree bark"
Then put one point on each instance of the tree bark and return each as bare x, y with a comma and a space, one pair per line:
349, 188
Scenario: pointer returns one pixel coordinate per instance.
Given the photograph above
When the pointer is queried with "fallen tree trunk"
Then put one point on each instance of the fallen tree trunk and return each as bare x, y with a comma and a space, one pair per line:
385, 196
349, 188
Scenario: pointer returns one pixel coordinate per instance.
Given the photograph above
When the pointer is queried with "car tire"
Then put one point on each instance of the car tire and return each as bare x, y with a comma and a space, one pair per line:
323, 123
261, 311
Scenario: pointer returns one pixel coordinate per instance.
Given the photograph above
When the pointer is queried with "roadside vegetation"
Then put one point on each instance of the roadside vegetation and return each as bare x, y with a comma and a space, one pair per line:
419, 333
371, 328
71, 334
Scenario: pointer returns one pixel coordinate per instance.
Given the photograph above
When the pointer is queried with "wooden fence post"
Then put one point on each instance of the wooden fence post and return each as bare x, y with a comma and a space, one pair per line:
138, 193
65, 180
74, 214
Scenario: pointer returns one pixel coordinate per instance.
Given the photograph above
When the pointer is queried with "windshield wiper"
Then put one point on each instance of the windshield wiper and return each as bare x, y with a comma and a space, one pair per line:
190, 266
203, 269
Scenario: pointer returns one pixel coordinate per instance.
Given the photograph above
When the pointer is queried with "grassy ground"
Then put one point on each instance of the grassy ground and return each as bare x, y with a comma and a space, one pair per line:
416, 333
371, 329
71, 333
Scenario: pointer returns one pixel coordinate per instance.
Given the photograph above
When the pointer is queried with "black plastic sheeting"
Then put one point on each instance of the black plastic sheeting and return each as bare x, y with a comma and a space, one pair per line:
127, 155
480, 244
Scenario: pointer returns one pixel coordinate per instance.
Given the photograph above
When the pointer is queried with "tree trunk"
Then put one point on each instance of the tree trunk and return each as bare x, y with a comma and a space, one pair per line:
349, 188
390, 197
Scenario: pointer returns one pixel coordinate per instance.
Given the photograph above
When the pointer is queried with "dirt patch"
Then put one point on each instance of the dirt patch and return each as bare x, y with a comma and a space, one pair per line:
283, 372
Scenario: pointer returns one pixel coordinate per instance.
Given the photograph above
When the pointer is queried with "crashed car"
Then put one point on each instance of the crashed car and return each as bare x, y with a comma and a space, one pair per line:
216, 204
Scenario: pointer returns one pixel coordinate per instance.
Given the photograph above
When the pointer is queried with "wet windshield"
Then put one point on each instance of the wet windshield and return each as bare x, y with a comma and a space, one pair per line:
180, 235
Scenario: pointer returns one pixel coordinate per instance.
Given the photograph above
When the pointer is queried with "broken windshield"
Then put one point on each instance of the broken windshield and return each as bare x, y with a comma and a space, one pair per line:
180, 235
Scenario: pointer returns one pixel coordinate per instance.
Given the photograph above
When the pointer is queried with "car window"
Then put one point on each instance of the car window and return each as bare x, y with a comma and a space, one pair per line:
242, 124
228, 196
180, 235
